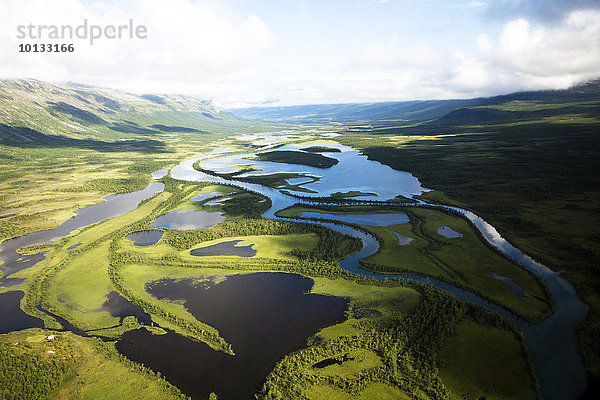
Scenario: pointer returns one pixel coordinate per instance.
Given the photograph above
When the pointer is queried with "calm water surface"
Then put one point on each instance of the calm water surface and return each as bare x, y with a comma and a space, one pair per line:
145, 237
361, 219
264, 316
229, 248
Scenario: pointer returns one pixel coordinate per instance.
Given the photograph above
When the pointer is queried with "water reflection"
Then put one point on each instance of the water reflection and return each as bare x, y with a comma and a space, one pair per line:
264, 316
229, 248
187, 219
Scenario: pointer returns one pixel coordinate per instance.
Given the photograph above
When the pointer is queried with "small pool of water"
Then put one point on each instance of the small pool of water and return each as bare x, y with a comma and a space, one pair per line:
362, 219
448, 232
229, 248
187, 219
145, 237
160, 173
76, 245
264, 316
205, 196
403, 240
511, 286
217, 202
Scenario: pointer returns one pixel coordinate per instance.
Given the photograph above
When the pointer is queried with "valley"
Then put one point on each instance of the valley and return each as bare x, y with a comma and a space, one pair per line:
343, 260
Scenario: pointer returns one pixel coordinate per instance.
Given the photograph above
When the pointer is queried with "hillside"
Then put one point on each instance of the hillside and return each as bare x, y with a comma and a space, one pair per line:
29, 108
398, 113
65, 146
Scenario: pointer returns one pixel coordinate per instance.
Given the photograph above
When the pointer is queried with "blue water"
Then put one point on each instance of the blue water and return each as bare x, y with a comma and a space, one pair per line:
353, 172
448, 232
403, 240
361, 219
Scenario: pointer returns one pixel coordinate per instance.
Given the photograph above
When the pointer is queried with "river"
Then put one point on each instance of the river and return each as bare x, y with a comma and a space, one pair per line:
551, 343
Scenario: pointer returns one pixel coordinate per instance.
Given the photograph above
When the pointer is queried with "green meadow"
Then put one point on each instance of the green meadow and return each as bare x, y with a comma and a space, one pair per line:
465, 261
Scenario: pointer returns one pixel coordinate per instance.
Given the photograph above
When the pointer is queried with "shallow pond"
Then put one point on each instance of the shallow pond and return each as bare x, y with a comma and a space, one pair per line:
511, 286
552, 343
204, 196
159, 173
403, 240
362, 219
229, 248
448, 232
264, 316
187, 219
145, 237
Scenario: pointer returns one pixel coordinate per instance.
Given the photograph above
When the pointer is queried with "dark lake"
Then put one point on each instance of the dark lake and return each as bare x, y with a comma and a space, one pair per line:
187, 219
262, 315
13, 318
76, 245
225, 249
118, 306
146, 237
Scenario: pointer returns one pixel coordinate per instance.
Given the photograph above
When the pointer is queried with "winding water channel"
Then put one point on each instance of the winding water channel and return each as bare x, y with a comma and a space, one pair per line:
551, 343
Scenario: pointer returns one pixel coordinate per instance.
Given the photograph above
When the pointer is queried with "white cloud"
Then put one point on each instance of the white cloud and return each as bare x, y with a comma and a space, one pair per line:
190, 44
470, 4
542, 56
369, 3
391, 55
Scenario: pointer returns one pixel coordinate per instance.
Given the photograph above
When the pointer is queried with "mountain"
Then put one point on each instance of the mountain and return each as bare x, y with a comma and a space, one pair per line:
349, 113
408, 112
31, 110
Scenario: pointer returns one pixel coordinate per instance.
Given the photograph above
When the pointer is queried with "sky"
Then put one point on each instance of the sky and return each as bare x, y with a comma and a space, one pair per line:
241, 53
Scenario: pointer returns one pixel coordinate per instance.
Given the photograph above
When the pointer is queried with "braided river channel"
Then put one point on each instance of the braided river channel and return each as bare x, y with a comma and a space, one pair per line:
551, 343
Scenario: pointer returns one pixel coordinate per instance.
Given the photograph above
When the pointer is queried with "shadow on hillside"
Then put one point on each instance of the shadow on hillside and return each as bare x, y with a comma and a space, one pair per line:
30, 138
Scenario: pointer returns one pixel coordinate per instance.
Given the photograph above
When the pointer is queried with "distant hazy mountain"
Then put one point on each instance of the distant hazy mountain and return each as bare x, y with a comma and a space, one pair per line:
403, 112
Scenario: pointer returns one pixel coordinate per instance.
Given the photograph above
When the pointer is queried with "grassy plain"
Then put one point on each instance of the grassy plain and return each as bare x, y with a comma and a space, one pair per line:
464, 261
478, 360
